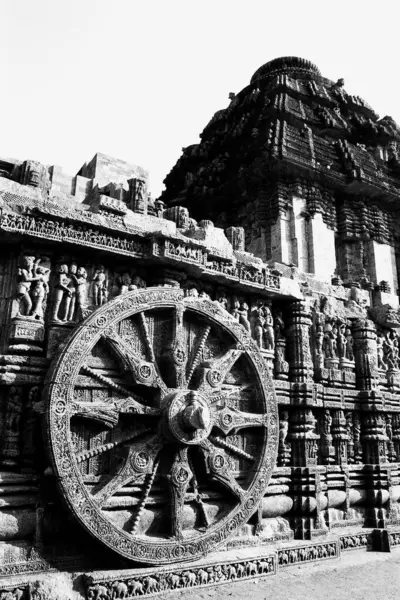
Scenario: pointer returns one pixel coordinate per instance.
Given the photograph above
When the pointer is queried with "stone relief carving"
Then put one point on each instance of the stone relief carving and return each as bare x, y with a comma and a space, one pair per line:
32, 287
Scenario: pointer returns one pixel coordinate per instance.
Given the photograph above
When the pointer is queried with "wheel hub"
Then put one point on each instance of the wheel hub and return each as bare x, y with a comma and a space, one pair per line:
187, 416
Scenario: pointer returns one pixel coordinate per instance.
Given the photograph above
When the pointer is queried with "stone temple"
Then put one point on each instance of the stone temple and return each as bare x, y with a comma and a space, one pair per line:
204, 387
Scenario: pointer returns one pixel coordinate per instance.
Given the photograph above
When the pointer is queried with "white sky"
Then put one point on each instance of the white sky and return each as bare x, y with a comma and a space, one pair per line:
139, 79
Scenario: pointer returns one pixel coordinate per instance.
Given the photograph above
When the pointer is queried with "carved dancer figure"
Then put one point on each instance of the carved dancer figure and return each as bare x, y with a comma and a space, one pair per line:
222, 299
243, 312
26, 275
390, 350
39, 293
258, 325
70, 301
125, 282
100, 286
330, 341
283, 429
81, 292
279, 326
235, 308
349, 344
342, 341
61, 291
269, 337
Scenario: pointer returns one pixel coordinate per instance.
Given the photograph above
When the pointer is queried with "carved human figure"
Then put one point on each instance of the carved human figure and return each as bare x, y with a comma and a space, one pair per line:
61, 291
379, 350
39, 292
192, 292
26, 275
349, 344
330, 340
390, 350
342, 341
12, 430
138, 283
204, 295
243, 312
258, 325
269, 337
70, 301
283, 428
100, 286
81, 292
395, 353
159, 208
279, 326
222, 299
235, 308
327, 424
319, 339
125, 283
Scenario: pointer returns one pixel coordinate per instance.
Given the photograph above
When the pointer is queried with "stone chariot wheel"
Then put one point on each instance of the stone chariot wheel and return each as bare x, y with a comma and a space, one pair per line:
162, 425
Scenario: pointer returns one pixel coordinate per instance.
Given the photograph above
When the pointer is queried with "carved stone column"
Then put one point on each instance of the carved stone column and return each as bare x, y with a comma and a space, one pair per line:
304, 438
365, 354
339, 437
301, 368
374, 439
12, 429
327, 449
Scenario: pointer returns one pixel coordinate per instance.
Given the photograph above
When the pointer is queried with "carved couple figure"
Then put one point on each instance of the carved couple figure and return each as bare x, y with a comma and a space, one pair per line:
70, 293
32, 288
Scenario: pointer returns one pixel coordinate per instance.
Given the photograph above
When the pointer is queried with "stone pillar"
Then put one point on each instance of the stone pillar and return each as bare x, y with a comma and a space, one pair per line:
339, 437
280, 364
374, 438
365, 354
11, 447
310, 502
304, 438
327, 449
301, 368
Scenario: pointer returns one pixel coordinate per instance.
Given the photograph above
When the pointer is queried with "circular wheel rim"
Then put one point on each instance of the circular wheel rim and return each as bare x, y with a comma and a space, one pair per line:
59, 390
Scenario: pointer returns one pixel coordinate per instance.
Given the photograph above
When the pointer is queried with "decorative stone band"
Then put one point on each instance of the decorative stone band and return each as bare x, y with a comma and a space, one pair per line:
126, 243
307, 553
222, 567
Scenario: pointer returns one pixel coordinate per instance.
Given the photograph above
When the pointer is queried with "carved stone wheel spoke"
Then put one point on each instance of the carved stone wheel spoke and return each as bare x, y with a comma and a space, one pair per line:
162, 425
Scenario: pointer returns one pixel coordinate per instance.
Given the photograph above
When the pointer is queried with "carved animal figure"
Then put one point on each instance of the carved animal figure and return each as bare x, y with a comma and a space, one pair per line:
283, 558
119, 590
202, 577
135, 588
240, 570
151, 584
98, 592
292, 556
251, 568
331, 550
188, 578
230, 572
174, 581
302, 554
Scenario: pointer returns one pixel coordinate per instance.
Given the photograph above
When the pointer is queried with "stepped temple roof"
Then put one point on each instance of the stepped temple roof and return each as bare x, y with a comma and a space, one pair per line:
289, 123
